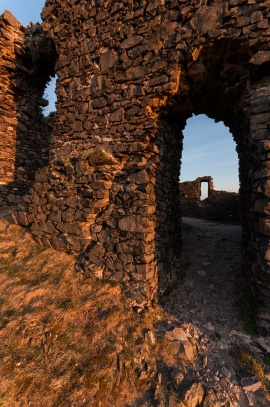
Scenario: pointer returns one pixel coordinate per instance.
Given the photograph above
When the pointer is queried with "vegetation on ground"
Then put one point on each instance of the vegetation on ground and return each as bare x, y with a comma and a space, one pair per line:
66, 340
250, 363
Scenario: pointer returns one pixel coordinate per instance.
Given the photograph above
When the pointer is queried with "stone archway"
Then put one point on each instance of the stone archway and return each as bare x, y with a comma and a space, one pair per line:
226, 88
130, 74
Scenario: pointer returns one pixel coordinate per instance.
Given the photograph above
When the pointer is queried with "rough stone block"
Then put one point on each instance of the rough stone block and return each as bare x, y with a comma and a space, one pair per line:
264, 225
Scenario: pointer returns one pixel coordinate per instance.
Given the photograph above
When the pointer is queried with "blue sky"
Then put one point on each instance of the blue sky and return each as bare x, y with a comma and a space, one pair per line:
24, 10
209, 148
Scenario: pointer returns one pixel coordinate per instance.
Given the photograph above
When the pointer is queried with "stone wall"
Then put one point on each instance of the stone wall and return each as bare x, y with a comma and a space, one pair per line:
221, 206
192, 189
130, 75
24, 146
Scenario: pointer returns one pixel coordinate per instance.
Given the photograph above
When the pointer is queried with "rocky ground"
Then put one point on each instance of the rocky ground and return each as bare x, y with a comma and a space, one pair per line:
208, 301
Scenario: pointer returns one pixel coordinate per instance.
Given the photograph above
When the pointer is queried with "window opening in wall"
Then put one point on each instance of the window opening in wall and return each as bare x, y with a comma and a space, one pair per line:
210, 228
50, 97
48, 108
209, 170
204, 190
209, 150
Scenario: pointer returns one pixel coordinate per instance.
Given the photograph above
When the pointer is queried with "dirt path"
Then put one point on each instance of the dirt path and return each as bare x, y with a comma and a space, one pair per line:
206, 302
207, 296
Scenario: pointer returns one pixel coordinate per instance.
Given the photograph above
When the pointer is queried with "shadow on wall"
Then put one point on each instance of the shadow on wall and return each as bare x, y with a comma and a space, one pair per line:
25, 133
220, 206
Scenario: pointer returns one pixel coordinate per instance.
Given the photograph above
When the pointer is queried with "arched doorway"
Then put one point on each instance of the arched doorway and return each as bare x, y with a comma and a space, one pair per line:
217, 85
209, 170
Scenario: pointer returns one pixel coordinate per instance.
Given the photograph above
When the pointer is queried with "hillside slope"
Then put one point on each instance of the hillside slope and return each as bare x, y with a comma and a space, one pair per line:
66, 340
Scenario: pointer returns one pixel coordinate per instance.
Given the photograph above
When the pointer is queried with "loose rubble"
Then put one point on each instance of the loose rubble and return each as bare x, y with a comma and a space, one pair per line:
216, 326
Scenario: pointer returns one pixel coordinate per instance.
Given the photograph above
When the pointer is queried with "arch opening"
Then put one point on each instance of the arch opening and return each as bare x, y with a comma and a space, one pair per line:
48, 112
203, 91
50, 96
223, 206
209, 148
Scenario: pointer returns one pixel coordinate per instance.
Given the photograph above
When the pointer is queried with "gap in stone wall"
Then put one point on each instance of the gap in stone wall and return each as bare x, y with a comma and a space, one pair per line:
204, 190
48, 109
209, 150
50, 96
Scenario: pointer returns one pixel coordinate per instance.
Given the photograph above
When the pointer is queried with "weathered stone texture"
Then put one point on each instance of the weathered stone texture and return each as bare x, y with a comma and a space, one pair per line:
23, 144
130, 75
192, 189
221, 206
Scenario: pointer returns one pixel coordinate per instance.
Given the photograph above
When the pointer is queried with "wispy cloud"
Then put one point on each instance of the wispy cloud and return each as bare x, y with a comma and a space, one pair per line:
209, 149
193, 157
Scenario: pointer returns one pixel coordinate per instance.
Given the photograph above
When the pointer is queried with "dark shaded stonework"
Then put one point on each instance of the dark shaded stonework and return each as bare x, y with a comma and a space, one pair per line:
221, 206
27, 60
130, 73
192, 189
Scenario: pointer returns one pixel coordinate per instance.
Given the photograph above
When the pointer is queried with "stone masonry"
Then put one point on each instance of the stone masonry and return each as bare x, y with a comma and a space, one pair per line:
130, 73
192, 189
221, 206
24, 146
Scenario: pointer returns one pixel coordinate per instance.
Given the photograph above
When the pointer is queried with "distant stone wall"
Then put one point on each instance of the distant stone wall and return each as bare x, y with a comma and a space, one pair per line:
219, 206
130, 75
192, 189
24, 146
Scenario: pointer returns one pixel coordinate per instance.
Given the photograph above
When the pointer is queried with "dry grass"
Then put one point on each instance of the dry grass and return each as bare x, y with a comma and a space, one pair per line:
249, 362
66, 340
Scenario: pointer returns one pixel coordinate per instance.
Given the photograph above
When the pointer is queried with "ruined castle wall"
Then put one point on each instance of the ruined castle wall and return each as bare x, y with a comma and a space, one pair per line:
223, 207
192, 189
219, 206
24, 147
130, 75
8, 108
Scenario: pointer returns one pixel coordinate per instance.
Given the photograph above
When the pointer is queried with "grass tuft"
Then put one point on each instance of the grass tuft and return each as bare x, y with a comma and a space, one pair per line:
249, 362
